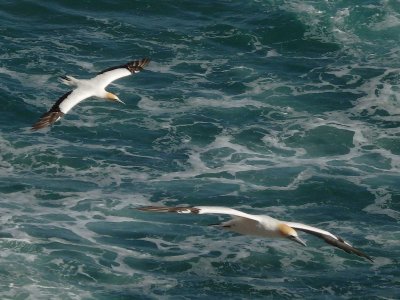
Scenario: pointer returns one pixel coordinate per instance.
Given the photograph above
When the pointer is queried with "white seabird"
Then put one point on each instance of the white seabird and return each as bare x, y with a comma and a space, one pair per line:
88, 88
261, 225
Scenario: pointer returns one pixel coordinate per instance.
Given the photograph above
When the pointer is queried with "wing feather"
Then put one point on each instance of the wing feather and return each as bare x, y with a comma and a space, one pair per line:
61, 107
328, 238
109, 75
47, 119
200, 210
52, 115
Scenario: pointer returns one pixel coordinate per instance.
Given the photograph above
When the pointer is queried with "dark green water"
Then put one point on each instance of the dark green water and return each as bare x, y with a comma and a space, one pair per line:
285, 108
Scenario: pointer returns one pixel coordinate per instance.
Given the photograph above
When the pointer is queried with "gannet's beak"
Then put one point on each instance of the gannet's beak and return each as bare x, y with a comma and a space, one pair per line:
119, 100
297, 240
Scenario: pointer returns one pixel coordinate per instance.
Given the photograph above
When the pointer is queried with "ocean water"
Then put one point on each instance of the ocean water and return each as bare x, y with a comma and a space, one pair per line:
286, 108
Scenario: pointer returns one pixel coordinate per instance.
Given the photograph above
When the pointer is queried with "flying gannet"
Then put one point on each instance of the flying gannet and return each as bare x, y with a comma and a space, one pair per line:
261, 225
85, 88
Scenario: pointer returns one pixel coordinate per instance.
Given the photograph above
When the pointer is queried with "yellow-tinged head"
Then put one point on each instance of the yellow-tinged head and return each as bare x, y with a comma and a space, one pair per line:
288, 232
112, 97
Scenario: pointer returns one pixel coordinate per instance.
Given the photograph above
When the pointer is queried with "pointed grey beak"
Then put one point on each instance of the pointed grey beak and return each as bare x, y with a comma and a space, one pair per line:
297, 240
120, 101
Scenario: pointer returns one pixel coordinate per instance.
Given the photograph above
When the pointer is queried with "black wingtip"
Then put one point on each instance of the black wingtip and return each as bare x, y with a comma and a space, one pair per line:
47, 119
340, 243
134, 66
177, 209
39, 125
153, 208
137, 65
336, 241
366, 256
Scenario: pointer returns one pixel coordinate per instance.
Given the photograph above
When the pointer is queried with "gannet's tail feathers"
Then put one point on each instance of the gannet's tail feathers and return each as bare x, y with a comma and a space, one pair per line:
69, 80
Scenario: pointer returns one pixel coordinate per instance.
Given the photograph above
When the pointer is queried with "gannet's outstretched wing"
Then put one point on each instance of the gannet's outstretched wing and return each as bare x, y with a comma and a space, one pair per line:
54, 113
107, 76
201, 210
328, 238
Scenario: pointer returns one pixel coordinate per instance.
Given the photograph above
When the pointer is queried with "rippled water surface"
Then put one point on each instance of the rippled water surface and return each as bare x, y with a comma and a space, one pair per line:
285, 108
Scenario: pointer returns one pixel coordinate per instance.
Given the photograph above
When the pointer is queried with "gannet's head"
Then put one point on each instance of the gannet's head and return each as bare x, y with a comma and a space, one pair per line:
288, 232
112, 97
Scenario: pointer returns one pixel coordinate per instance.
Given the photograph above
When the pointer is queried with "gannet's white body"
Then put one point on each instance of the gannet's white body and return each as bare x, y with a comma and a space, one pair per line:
261, 225
94, 87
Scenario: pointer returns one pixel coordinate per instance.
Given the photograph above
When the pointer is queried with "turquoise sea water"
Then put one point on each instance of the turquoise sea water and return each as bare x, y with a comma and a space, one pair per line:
285, 108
